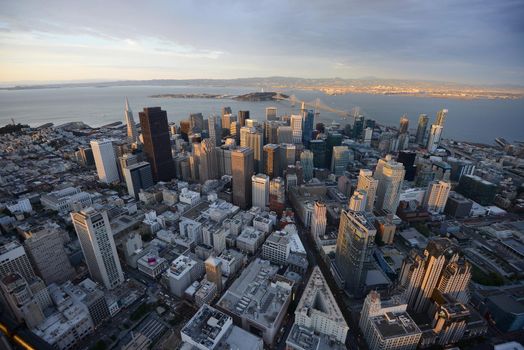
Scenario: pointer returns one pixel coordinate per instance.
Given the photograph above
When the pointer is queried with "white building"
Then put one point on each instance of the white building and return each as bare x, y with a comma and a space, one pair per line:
152, 265
66, 200
250, 240
277, 247
182, 272
105, 160
436, 196
390, 175
296, 127
435, 134
13, 258
96, 239
369, 184
260, 188
388, 327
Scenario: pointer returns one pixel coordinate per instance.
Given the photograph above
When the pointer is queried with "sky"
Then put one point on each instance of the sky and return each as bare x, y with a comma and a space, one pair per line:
465, 41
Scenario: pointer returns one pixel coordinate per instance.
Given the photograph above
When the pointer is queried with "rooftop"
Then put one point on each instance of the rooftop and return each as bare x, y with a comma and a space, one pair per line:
394, 324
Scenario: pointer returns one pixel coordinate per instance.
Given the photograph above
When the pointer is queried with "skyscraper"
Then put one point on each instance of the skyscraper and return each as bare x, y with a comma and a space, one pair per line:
138, 176
13, 258
357, 202
206, 156
277, 194
227, 119
271, 113
441, 117
132, 134
157, 143
242, 168
435, 135
284, 134
358, 127
242, 116
318, 220
215, 130
318, 147
197, 122
272, 163
296, 127
367, 183
306, 159
260, 190
421, 129
390, 175
340, 159
422, 274
45, 247
308, 117
355, 242
96, 239
105, 160
437, 196
404, 124
254, 139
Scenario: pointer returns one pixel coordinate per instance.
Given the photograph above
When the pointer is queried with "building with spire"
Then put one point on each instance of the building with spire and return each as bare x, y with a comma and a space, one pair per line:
132, 134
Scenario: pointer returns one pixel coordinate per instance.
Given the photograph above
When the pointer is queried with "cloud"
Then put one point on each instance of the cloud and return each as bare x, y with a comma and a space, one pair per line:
461, 40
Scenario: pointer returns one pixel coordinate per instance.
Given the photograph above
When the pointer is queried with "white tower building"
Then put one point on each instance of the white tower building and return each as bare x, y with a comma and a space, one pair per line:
105, 160
369, 184
318, 221
260, 188
437, 196
132, 134
390, 175
96, 239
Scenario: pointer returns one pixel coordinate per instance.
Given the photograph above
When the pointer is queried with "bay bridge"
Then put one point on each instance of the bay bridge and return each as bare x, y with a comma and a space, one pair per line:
317, 105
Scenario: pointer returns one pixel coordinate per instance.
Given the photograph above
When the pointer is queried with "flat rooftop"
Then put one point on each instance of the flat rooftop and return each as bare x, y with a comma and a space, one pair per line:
255, 296
395, 324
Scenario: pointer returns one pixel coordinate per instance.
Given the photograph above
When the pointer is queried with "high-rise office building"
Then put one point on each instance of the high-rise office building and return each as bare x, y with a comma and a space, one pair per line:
407, 158
271, 113
254, 139
306, 159
215, 130
277, 194
242, 116
271, 131
404, 124
334, 138
308, 117
197, 122
354, 249
45, 247
260, 190
206, 158
318, 147
132, 134
476, 188
272, 160
138, 176
242, 165
368, 183
157, 143
296, 127
441, 117
214, 271
437, 196
421, 129
390, 175
105, 160
288, 153
13, 258
357, 202
284, 134
358, 127
387, 325
340, 159
422, 274
96, 239
227, 119
435, 135
318, 220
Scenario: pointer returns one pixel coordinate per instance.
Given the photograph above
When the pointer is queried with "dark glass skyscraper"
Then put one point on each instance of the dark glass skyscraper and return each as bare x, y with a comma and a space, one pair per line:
309, 122
157, 144
421, 129
242, 116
